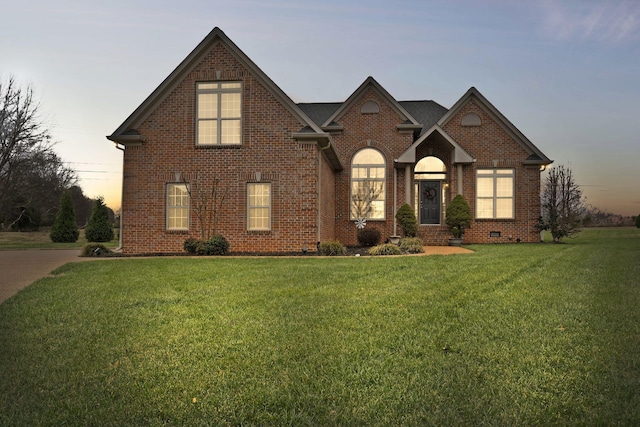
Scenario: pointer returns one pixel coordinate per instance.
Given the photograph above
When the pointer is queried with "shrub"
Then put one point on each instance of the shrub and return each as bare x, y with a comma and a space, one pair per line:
638, 221
407, 219
216, 245
369, 237
385, 249
458, 216
95, 249
65, 228
190, 245
411, 245
332, 248
99, 228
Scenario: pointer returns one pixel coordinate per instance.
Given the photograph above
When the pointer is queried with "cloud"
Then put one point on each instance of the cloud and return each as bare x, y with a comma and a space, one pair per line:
610, 22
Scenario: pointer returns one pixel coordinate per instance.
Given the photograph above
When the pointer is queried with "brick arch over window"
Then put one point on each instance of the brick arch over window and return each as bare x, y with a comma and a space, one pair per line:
368, 178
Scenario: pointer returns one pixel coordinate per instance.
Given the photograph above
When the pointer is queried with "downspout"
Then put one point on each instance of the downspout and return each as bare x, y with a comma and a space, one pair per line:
119, 248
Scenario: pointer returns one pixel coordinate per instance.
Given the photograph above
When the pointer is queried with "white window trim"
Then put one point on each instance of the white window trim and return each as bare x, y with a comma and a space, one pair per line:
219, 90
169, 207
494, 175
250, 207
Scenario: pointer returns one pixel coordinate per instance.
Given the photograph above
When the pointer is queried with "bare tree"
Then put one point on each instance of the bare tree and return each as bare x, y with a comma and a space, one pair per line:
32, 176
207, 202
562, 204
362, 197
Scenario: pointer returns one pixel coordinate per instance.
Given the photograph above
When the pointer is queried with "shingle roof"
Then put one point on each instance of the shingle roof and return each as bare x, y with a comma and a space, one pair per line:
319, 112
427, 113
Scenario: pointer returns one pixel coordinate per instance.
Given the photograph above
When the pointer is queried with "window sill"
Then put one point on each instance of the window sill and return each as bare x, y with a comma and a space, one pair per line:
206, 146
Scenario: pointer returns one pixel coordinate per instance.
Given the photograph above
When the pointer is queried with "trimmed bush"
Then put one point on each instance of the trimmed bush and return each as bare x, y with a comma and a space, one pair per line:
191, 245
332, 248
95, 249
216, 245
369, 237
65, 227
385, 249
638, 221
411, 245
99, 228
458, 216
407, 219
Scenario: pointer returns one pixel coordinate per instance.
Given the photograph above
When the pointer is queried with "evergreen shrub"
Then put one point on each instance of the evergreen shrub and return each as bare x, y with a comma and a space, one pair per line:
65, 227
99, 228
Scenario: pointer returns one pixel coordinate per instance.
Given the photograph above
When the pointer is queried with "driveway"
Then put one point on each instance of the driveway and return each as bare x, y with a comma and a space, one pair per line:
19, 269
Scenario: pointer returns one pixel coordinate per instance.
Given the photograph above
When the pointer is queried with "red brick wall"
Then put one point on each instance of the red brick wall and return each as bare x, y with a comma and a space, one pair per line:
492, 146
368, 130
267, 147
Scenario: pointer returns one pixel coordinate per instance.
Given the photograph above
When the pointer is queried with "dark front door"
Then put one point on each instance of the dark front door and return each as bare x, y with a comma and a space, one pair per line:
430, 202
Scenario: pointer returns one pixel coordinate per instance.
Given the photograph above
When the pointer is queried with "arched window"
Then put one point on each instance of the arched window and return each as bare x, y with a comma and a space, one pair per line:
368, 185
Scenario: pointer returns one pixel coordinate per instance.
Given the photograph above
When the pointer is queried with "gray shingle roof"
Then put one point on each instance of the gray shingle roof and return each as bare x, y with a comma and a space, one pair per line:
427, 113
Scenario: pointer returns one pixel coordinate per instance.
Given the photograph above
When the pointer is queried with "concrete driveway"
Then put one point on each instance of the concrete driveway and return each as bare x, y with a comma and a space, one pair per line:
19, 269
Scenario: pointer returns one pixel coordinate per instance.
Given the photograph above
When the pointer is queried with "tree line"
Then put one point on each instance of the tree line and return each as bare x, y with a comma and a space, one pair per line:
32, 176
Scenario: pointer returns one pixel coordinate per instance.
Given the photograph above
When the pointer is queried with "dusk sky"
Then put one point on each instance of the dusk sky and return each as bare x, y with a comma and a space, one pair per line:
566, 73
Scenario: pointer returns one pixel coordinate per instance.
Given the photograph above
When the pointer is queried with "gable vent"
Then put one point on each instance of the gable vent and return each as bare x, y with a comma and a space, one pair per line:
370, 107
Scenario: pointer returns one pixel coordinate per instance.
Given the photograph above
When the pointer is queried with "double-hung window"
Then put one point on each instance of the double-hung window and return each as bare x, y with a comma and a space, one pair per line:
177, 207
259, 206
495, 194
219, 113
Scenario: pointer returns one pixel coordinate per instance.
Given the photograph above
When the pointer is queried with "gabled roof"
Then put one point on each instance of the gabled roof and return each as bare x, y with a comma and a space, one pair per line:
426, 112
536, 157
408, 120
460, 155
124, 132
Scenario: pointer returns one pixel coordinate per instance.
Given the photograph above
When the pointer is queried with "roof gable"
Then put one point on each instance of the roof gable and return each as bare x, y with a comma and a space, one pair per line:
535, 155
408, 120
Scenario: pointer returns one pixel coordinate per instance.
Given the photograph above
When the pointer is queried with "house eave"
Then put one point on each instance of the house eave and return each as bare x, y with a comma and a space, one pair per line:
127, 140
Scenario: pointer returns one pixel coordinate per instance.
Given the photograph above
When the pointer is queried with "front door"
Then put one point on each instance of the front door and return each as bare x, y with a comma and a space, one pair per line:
430, 202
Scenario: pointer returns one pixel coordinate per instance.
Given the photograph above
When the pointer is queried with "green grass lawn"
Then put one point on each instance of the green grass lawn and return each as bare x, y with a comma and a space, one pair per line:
11, 240
529, 334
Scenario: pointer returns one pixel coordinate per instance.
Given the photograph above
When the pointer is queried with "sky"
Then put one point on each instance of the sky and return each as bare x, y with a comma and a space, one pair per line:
564, 72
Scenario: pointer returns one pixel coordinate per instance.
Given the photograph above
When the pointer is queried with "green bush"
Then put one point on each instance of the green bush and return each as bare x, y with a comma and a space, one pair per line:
385, 249
369, 237
99, 228
65, 227
216, 245
332, 248
191, 245
411, 245
95, 249
407, 219
458, 216
638, 221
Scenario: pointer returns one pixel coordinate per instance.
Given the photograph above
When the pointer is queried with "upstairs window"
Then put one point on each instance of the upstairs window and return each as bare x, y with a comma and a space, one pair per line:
368, 185
219, 113
495, 194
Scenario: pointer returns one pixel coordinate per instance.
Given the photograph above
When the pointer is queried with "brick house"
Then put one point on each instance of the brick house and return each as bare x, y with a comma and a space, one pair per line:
297, 174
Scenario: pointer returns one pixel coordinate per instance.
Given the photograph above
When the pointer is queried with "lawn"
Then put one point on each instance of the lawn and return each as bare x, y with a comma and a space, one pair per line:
521, 334
11, 240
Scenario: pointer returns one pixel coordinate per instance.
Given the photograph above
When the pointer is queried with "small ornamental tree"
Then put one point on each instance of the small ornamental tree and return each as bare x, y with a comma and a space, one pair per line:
638, 221
458, 216
99, 228
408, 221
65, 227
562, 204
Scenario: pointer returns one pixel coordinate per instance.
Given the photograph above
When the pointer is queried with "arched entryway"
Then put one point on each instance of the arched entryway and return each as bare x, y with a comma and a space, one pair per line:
429, 177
